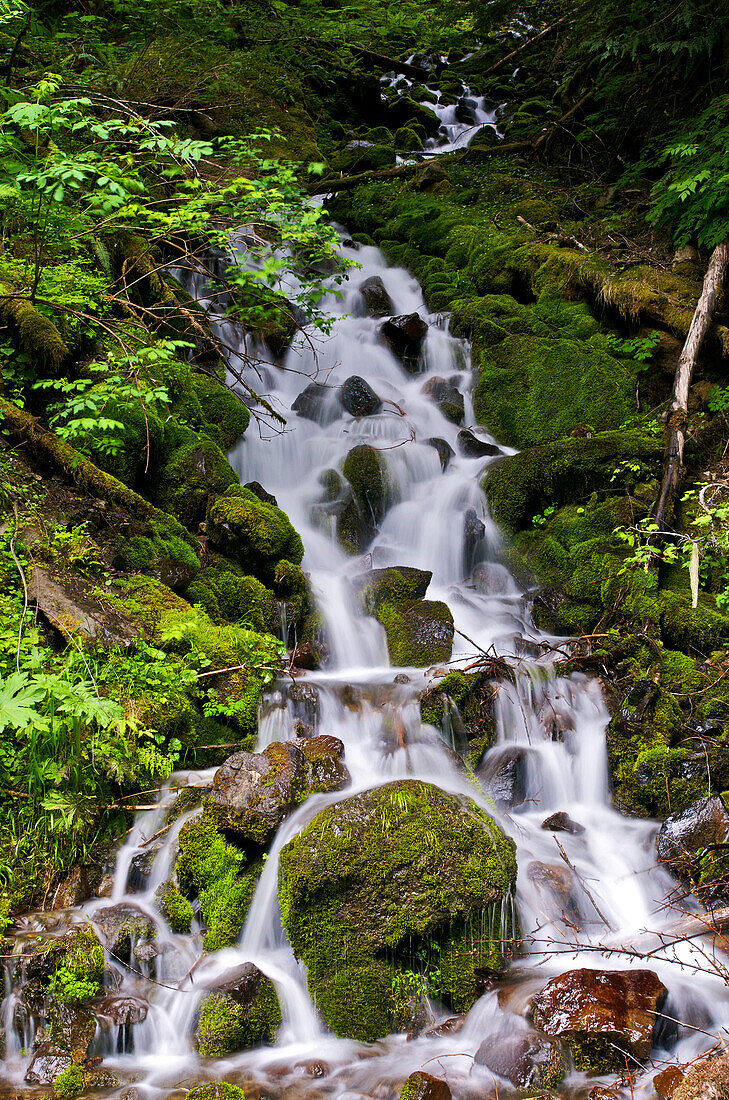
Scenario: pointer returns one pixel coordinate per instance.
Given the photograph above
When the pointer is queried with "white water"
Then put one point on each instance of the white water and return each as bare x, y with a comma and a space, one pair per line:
618, 890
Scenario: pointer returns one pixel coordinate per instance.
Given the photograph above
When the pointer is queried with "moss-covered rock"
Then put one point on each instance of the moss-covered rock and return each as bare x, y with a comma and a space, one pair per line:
378, 880
395, 583
175, 908
242, 1012
255, 534
216, 1090
523, 485
419, 632
214, 871
365, 468
227, 595
192, 475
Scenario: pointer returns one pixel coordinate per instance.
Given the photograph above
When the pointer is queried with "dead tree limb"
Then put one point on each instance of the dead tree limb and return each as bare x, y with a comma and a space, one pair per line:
525, 45
678, 409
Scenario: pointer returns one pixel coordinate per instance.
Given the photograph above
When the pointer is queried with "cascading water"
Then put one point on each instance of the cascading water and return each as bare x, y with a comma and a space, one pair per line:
552, 726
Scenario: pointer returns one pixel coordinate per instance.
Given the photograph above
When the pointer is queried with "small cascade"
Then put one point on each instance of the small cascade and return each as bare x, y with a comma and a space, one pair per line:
582, 895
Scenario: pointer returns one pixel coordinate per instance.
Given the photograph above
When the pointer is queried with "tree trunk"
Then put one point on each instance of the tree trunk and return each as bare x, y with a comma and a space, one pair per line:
678, 409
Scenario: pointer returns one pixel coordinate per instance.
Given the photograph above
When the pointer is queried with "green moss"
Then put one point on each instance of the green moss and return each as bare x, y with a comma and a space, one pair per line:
192, 475
216, 872
255, 534
225, 416
419, 632
70, 1082
138, 447
381, 872
365, 468
146, 600
226, 1026
175, 909
216, 1090
521, 486
679, 673
645, 769
37, 335
230, 596
702, 628
79, 975
407, 140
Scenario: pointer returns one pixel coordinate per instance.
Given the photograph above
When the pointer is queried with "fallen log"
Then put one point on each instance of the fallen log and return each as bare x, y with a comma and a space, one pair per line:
678, 410
525, 45
383, 62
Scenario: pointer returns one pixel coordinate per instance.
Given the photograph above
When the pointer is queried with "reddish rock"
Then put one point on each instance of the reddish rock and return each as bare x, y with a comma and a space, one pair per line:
305, 656
601, 1013
667, 1081
421, 1086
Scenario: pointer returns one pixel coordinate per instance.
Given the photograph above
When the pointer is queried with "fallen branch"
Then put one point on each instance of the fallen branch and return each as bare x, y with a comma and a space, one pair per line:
525, 45
384, 62
678, 409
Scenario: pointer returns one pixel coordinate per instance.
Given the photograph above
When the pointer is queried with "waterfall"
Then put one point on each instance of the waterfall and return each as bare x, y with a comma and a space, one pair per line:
551, 727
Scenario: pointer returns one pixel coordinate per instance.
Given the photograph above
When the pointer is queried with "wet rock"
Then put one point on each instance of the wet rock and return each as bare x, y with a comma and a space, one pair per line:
430, 177
527, 1060
491, 578
257, 489
602, 1015
240, 1011
422, 1086
140, 868
48, 1061
313, 1068
254, 792
305, 656
106, 887
216, 1090
101, 1080
314, 403
358, 398
71, 1026
559, 891
123, 1011
472, 447
378, 302
447, 397
561, 822
74, 889
305, 702
256, 535
444, 449
405, 335
373, 870
642, 696
667, 1081
121, 927
473, 532
684, 835
451, 1026
466, 111
396, 582
503, 775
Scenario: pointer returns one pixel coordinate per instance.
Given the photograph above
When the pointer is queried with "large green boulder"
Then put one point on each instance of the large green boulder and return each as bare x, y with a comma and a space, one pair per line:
255, 534
192, 474
240, 1011
419, 632
366, 471
391, 895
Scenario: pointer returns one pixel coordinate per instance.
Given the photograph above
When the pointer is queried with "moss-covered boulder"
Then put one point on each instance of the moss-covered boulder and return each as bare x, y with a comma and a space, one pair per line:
175, 908
240, 1011
462, 704
396, 582
419, 632
523, 485
216, 1090
192, 475
254, 792
138, 442
365, 469
254, 534
212, 870
391, 894
123, 927
227, 594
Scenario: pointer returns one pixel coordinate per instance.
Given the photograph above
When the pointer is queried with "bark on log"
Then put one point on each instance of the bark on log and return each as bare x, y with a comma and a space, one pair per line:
678, 409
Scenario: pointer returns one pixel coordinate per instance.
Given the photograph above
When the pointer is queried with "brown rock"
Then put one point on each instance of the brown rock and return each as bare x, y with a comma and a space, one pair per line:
682, 835
562, 823
305, 656
421, 1086
74, 889
559, 891
667, 1081
600, 1013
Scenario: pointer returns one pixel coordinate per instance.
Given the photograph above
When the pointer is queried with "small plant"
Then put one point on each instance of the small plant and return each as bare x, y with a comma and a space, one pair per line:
542, 518
640, 349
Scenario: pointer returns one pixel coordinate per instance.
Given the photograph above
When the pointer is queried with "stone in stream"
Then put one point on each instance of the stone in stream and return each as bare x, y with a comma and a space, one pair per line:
405, 335
123, 1011
378, 302
503, 776
491, 578
314, 403
602, 1015
239, 1010
560, 894
215, 1090
365, 469
473, 532
472, 447
444, 449
305, 656
423, 1086
122, 926
47, 1063
419, 632
466, 111
561, 822
529, 1061
396, 582
402, 860
358, 398
253, 793
447, 397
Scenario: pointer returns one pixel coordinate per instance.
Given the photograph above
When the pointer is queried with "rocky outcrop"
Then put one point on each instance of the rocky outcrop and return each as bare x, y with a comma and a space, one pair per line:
254, 792
600, 1014
402, 864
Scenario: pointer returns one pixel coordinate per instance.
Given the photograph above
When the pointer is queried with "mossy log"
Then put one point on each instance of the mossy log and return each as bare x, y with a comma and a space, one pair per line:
37, 334
48, 447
